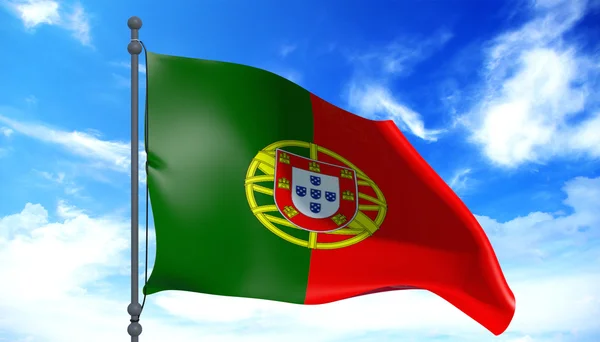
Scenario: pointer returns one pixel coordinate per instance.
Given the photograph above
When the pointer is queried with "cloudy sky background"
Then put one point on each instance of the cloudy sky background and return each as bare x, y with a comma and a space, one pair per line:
501, 98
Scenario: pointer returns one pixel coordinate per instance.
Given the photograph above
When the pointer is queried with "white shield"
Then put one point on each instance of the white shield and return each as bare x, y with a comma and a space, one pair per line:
315, 195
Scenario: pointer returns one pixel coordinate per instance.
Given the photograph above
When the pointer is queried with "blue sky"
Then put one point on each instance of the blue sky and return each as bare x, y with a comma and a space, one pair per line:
500, 97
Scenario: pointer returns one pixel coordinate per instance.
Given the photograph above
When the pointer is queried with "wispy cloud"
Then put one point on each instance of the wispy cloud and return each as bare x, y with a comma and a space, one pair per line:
537, 92
377, 102
61, 179
127, 65
7, 132
291, 75
370, 88
285, 72
34, 13
399, 57
459, 181
78, 23
286, 49
121, 81
104, 154
31, 100
55, 178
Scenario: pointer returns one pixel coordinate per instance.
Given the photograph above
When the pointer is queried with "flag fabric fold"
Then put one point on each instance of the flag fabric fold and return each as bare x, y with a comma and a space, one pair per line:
261, 189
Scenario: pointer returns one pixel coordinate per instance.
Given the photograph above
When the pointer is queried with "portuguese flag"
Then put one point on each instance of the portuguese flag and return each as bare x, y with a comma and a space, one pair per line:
261, 189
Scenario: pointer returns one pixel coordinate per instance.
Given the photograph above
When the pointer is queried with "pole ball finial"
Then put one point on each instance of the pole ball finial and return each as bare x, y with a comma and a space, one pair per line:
134, 329
134, 47
134, 23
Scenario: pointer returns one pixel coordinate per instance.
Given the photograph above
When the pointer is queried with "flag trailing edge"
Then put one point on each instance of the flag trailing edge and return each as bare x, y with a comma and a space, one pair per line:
261, 189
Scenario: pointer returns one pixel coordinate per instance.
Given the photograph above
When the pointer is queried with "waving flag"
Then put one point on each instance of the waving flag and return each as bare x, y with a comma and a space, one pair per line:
261, 189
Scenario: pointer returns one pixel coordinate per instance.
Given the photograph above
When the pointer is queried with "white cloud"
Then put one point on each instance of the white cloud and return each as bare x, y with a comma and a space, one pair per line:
371, 99
538, 89
34, 13
31, 216
76, 256
558, 304
52, 266
66, 211
7, 132
104, 154
526, 338
286, 49
71, 253
540, 237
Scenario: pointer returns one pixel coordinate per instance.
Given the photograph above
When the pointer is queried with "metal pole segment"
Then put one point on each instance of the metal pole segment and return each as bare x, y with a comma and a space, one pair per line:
134, 308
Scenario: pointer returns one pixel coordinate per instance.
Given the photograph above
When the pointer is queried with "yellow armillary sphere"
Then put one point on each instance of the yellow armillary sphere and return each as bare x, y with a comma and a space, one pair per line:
311, 195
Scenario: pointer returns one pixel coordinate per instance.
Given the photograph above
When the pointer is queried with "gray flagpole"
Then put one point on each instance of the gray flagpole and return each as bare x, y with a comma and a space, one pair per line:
134, 308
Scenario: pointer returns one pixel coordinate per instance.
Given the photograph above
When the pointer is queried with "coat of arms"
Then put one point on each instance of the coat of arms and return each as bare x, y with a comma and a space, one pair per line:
311, 202
313, 195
